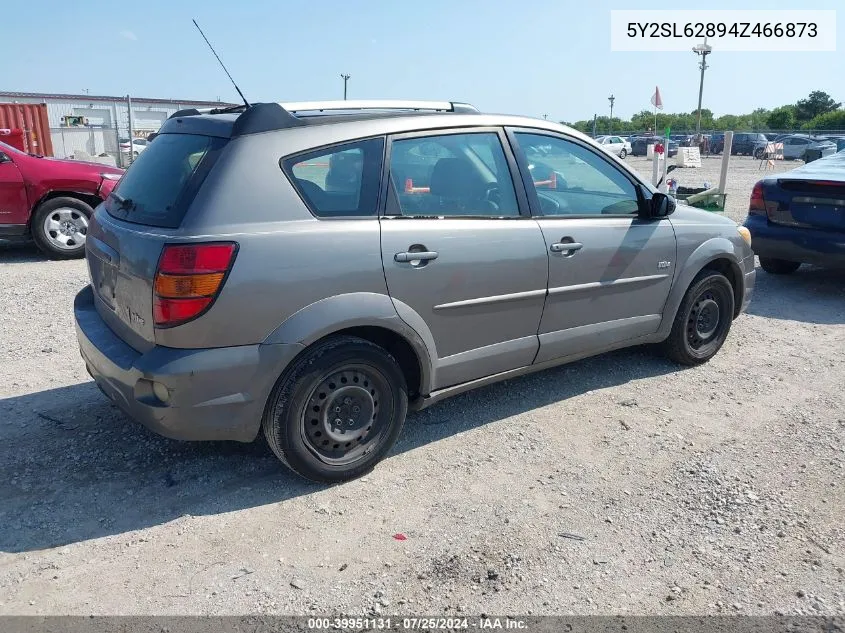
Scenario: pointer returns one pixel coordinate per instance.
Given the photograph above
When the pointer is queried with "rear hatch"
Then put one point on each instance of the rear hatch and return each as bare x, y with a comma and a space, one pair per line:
129, 230
812, 196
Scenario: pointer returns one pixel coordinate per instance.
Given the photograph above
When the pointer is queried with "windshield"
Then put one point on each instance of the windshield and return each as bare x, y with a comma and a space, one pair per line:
162, 182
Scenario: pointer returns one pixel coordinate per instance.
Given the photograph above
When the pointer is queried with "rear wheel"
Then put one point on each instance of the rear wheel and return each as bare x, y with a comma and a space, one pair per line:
338, 409
60, 226
759, 152
778, 266
703, 320
623, 153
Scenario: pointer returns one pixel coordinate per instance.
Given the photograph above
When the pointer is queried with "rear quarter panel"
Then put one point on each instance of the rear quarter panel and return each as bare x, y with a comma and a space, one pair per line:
287, 258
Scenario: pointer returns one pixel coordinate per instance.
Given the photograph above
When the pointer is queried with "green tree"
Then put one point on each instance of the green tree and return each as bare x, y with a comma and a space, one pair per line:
782, 118
828, 121
817, 103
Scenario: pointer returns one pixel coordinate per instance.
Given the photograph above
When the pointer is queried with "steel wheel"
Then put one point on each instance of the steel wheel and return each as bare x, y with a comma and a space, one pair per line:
703, 321
65, 228
337, 409
341, 422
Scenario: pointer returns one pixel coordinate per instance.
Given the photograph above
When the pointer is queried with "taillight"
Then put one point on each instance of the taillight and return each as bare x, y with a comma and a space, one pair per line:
188, 279
757, 205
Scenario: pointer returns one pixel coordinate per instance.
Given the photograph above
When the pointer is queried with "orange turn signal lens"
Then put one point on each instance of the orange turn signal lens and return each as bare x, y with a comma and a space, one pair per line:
176, 286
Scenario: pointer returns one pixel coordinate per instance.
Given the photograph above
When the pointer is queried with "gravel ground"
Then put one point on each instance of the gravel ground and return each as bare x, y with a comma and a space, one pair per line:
619, 484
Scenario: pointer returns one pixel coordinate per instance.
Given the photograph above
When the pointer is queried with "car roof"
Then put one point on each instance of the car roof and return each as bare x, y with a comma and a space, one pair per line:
271, 117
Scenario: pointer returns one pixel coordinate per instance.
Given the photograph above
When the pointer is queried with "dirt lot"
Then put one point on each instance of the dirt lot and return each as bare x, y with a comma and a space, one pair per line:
620, 484
744, 172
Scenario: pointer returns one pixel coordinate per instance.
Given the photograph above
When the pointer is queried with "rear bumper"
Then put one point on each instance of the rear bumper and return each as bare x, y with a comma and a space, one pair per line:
215, 394
808, 246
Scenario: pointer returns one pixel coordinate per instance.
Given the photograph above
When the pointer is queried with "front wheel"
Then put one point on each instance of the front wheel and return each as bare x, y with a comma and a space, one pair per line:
337, 410
778, 266
60, 226
703, 320
623, 153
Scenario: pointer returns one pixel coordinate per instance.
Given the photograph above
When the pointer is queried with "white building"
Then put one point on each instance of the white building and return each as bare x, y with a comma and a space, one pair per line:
93, 123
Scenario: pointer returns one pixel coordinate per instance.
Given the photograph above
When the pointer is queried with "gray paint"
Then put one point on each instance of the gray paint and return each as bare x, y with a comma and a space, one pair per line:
496, 302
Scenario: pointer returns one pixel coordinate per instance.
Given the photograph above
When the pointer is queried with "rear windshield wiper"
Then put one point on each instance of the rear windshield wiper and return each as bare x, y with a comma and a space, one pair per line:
123, 203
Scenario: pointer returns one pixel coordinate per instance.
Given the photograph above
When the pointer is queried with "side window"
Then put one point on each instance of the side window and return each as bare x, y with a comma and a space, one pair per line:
452, 175
573, 180
340, 181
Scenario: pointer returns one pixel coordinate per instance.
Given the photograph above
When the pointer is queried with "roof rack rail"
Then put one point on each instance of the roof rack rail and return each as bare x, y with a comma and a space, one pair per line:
377, 104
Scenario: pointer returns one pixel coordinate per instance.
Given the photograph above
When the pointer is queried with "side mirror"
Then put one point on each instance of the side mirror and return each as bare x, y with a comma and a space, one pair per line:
660, 205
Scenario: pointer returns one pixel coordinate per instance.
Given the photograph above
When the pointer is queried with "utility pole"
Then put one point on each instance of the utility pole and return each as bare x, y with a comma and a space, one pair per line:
703, 50
345, 79
595, 116
131, 156
611, 98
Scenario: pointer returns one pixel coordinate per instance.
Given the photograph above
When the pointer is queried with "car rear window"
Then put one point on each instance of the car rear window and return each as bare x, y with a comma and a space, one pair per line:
162, 182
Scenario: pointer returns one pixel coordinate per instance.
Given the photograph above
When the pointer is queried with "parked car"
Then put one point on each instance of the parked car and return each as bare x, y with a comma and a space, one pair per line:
615, 145
744, 143
800, 147
839, 141
232, 291
799, 216
717, 143
138, 145
50, 200
639, 147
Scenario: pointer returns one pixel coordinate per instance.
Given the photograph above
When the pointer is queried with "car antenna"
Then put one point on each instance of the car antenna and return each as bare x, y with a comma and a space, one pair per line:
246, 103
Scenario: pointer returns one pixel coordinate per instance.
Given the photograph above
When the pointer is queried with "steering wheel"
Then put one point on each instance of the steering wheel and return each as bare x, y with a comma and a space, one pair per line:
492, 193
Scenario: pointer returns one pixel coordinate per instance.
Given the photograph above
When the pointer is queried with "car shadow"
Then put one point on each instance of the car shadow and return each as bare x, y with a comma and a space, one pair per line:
75, 468
811, 295
20, 252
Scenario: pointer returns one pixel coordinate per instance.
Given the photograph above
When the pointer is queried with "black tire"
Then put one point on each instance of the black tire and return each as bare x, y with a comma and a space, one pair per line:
623, 154
46, 241
696, 336
343, 373
778, 266
758, 153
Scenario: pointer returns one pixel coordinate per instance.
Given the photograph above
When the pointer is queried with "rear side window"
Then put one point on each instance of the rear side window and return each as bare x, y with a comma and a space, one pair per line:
340, 181
162, 182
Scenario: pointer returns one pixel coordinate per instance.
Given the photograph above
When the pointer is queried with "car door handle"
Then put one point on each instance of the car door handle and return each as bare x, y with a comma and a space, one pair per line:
413, 256
563, 247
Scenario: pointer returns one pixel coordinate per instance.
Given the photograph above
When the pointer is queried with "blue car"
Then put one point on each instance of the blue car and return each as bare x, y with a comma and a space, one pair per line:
798, 217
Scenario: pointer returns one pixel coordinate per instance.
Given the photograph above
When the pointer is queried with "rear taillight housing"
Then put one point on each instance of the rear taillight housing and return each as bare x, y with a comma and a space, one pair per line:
188, 279
757, 205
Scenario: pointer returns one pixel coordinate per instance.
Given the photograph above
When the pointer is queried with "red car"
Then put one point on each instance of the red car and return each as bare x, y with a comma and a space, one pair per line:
50, 199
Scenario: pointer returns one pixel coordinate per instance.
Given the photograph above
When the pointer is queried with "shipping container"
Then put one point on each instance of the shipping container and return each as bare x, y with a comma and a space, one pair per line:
32, 119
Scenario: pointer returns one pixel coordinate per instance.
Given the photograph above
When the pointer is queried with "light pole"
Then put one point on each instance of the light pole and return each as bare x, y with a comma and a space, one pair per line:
611, 98
345, 79
703, 50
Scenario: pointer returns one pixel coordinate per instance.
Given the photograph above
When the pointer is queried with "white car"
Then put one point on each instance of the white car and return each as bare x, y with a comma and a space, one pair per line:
138, 146
614, 145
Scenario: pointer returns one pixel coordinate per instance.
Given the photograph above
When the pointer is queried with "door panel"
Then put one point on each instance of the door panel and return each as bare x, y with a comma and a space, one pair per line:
14, 208
458, 251
482, 297
610, 271
612, 289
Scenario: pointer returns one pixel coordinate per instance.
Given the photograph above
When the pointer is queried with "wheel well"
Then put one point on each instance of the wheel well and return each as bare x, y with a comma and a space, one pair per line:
397, 346
733, 275
88, 198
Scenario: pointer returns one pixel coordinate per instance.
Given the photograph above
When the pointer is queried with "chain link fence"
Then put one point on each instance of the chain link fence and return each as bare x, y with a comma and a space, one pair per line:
98, 144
